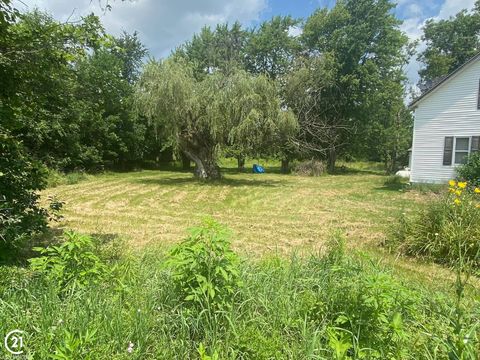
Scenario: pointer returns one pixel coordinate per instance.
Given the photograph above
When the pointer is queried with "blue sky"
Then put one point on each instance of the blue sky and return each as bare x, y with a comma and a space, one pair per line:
164, 24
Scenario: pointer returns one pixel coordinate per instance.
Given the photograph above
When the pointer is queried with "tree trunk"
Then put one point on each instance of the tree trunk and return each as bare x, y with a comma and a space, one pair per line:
204, 168
285, 166
241, 163
332, 159
185, 162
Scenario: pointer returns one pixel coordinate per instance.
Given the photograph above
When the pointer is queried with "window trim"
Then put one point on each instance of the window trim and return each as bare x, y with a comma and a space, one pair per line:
468, 151
470, 143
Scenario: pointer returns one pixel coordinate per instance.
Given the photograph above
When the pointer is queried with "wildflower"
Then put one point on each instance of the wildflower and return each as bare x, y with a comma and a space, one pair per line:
452, 190
477, 206
130, 347
60, 322
452, 183
477, 190
462, 185
457, 201
458, 192
436, 234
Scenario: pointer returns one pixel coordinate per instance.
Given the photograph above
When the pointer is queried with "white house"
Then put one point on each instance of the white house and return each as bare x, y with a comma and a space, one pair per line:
447, 125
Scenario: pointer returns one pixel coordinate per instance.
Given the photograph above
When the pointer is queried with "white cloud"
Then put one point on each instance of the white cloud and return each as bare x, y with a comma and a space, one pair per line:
452, 7
162, 24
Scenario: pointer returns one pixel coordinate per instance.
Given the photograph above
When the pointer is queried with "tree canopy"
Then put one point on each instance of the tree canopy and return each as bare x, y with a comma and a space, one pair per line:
204, 117
449, 44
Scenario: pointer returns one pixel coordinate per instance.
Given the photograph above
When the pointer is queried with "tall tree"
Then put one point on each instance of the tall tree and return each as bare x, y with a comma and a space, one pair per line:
271, 47
362, 42
450, 43
203, 117
221, 49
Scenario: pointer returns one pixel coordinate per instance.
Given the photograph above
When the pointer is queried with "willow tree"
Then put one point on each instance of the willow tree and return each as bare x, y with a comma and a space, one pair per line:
202, 118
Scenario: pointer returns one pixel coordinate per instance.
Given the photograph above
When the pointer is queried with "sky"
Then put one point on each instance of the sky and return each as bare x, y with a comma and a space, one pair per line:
165, 24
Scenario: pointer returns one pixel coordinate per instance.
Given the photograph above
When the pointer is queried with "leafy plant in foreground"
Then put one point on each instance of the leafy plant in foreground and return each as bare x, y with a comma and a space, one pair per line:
71, 264
470, 172
20, 177
205, 269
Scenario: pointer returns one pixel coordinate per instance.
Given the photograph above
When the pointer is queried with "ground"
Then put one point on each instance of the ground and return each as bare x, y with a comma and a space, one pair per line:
266, 212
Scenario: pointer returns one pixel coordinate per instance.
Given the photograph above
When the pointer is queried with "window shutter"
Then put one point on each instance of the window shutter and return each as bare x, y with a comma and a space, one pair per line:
448, 151
478, 96
475, 143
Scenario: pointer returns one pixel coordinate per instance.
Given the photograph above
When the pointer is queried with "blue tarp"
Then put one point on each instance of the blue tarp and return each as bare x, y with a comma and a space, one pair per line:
257, 169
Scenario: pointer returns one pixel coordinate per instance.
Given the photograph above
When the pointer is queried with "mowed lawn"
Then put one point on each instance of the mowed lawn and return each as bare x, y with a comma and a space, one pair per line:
268, 212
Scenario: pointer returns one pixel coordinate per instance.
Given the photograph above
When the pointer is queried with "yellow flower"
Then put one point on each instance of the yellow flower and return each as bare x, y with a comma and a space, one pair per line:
452, 183
477, 206
462, 185
477, 190
458, 192
457, 201
452, 190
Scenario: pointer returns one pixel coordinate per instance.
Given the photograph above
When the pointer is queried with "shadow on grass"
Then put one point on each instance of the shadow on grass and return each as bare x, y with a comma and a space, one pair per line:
393, 187
268, 170
183, 181
344, 170
19, 255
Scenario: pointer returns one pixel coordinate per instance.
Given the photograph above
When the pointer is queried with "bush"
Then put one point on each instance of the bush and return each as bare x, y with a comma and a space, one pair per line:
205, 269
20, 179
71, 264
57, 178
310, 168
470, 172
446, 230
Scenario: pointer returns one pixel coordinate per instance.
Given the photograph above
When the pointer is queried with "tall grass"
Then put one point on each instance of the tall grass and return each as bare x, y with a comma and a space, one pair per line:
331, 306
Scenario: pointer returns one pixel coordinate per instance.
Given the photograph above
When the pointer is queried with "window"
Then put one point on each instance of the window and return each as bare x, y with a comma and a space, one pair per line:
462, 148
457, 149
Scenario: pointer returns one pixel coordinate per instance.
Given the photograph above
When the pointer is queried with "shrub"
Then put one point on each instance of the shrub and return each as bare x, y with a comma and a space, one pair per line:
71, 264
445, 230
310, 168
470, 172
57, 178
20, 178
205, 269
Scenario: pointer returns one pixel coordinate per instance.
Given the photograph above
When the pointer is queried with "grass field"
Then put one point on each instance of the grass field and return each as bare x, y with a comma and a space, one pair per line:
101, 301
269, 212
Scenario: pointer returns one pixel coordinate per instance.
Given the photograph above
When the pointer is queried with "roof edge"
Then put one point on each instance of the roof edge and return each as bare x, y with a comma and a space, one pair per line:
415, 102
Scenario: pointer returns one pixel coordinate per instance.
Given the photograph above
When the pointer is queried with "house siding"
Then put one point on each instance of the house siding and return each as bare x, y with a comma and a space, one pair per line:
450, 110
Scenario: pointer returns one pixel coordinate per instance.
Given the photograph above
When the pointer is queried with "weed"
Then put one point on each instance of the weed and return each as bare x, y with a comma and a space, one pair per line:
71, 264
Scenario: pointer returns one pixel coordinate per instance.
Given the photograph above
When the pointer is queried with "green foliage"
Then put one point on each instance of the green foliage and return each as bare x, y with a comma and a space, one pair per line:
70, 265
450, 43
333, 306
445, 230
75, 347
202, 118
67, 92
221, 49
270, 48
57, 178
354, 90
21, 177
205, 269
470, 172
